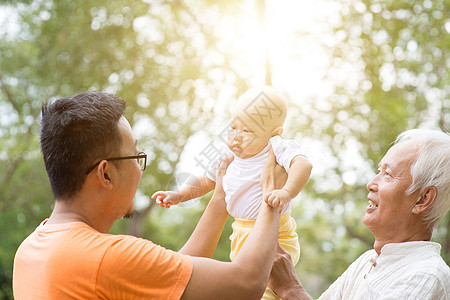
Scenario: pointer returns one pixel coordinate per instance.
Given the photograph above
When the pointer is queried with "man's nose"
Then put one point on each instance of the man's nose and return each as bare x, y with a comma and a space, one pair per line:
371, 185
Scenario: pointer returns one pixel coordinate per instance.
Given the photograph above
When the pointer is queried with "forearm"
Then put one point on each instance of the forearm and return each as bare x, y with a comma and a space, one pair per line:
298, 176
260, 246
284, 280
295, 293
244, 278
205, 237
247, 276
195, 188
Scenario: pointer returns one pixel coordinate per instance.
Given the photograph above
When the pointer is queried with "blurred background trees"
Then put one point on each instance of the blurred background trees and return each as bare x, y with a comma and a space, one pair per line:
397, 54
180, 64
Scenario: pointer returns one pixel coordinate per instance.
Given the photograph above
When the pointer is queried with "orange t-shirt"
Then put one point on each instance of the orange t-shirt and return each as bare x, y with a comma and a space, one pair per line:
74, 260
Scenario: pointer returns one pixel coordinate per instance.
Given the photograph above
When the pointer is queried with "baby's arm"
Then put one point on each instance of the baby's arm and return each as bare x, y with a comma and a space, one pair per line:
298, 176
196, 187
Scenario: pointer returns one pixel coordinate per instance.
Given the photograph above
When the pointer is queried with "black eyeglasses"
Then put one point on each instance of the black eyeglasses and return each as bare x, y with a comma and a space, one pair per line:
141, 158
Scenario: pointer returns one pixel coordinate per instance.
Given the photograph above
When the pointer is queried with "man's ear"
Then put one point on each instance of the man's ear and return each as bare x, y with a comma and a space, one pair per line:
426, 198
277, 131
103, 174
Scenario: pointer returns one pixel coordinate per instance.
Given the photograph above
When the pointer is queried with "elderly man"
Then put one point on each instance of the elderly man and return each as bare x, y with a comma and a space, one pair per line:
94, 168
408, 196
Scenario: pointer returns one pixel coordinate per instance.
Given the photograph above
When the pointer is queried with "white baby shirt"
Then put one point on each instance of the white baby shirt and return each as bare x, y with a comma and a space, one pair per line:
241, 182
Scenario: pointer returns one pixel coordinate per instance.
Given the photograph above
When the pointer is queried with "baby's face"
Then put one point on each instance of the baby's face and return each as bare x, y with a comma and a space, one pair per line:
246, 138
255, 118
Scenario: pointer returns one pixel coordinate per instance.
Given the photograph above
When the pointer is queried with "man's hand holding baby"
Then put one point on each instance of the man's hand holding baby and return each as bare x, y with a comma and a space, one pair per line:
273, 178
283, 188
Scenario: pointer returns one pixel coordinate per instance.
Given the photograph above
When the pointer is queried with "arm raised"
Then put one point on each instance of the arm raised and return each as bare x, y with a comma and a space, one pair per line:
195, 187
298, 176
283, 278
246, 277
205, 237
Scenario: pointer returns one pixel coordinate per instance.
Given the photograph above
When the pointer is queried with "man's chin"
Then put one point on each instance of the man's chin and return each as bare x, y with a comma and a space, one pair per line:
368, 220
129, 215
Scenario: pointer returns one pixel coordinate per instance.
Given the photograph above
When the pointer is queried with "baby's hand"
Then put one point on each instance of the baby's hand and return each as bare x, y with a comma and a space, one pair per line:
166, 198
278, 198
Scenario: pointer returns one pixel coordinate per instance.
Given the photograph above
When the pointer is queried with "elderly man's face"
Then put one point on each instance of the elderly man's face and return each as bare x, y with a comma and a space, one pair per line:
389, 214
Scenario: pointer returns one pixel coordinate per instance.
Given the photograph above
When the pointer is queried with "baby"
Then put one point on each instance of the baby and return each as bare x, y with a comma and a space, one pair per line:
256, 124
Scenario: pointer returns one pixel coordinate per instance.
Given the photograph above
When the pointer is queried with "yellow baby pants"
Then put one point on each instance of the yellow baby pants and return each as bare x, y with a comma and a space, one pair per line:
287, 237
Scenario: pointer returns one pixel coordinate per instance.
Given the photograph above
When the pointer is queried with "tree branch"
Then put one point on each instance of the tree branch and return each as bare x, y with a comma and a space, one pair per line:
13, 166
209, 35
135, 227
8, 94
446, 246
441, 121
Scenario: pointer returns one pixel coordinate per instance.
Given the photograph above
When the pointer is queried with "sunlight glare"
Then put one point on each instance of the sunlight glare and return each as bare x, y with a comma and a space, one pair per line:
295, 33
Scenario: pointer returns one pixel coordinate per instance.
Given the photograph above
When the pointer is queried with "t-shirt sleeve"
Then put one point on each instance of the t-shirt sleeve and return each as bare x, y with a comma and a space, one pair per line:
134, 268
285, 151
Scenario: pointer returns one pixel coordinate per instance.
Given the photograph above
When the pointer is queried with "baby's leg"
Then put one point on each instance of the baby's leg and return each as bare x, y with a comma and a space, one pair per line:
287, 237
269, 295
241, 230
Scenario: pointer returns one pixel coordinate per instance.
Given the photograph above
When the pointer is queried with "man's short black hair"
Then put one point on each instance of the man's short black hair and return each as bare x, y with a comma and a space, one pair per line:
76, 132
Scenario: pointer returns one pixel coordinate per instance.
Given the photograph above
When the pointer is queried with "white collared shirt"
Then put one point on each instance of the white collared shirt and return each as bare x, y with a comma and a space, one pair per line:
410, 270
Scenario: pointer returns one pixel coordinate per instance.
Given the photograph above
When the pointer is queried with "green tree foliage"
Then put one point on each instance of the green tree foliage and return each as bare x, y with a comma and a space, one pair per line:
397, 55
153, 55
389, 68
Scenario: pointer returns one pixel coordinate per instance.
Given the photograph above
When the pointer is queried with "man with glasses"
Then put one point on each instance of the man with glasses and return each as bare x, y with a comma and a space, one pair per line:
94, 168
141, 158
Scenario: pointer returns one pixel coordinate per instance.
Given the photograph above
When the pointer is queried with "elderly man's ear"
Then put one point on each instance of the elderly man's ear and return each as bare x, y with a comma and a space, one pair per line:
426, 198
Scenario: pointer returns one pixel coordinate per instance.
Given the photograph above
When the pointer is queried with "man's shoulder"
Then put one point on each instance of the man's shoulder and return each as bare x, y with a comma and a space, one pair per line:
416, 264
423, 255
94, 241
78, 240
433, 265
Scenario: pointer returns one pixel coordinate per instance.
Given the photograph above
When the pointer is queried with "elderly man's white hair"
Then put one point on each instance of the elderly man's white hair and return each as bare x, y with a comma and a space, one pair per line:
432, 168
